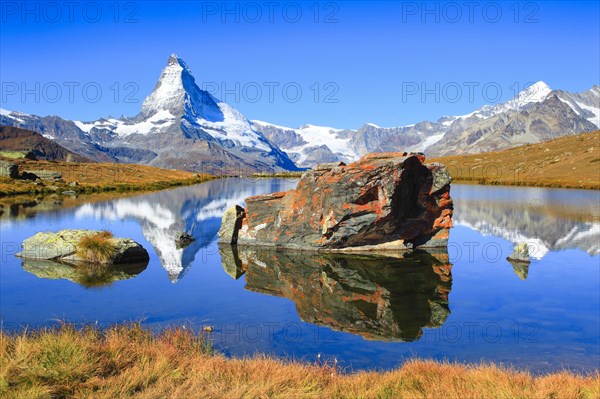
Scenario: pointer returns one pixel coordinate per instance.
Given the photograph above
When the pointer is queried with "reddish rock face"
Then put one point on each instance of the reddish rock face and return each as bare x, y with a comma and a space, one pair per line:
382, 201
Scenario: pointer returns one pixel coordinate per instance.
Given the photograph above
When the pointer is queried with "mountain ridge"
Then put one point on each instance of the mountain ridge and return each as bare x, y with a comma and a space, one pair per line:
182, 126
457, 134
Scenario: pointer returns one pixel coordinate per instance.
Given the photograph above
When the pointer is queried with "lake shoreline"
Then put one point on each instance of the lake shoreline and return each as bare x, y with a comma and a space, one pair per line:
478, 182
91, 191
127, 360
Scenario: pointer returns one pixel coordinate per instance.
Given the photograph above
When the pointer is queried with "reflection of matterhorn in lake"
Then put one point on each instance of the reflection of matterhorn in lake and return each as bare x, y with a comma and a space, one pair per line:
196, 210
549, 221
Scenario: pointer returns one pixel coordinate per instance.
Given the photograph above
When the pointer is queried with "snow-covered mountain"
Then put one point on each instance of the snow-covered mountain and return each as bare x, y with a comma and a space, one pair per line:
535, 93
534, 123
180, 126
536, 114
310, 145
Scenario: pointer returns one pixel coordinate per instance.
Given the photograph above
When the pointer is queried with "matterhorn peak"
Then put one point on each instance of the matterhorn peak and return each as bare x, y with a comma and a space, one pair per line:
177, 95
175, 61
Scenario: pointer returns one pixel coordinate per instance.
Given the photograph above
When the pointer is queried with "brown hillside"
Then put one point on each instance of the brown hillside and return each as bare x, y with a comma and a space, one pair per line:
570, 162
16, 139
96, 177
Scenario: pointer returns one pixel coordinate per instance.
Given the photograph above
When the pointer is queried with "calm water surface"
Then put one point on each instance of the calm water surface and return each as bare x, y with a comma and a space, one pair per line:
466, 304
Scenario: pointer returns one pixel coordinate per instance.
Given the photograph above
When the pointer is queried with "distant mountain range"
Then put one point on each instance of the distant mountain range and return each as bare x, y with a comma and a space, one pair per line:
181, 126
537, 114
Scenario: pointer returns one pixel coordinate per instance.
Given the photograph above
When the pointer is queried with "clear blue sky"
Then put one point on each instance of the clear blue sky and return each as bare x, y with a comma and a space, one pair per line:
373, 60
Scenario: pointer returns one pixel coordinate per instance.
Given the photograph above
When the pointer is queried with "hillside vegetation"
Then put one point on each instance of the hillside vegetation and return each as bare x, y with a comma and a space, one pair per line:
96, 177
569, 162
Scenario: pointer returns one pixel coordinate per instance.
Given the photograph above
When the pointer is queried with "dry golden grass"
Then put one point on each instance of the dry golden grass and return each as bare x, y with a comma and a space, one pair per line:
129, 362
570, 162
96, 177
97, 248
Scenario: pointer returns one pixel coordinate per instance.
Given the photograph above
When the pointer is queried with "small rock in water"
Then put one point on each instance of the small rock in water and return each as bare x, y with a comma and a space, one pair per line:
520, 253
208, 329
184, 240
66, 246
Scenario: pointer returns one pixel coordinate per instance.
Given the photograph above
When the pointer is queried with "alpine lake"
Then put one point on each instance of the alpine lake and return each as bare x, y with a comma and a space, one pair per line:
466, 304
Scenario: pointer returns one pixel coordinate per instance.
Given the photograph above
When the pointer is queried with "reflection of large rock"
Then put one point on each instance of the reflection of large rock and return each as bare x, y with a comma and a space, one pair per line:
64, 246
520, 253
377, 297
383, 201
231, 261
88, 276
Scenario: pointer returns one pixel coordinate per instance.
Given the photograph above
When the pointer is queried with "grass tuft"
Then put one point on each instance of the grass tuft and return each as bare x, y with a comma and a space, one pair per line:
97, 248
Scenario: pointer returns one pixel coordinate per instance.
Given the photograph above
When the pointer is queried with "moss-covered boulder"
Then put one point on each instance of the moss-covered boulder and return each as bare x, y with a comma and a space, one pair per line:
83, 246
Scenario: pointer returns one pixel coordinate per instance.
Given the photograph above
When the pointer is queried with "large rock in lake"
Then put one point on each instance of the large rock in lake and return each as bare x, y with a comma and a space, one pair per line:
383, 201
67, 246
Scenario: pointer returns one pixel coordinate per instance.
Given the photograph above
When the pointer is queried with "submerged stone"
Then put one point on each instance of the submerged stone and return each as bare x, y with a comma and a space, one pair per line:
184, 240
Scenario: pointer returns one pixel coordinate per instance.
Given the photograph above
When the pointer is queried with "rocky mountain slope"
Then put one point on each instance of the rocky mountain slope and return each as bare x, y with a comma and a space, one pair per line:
15, 139
535, 123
